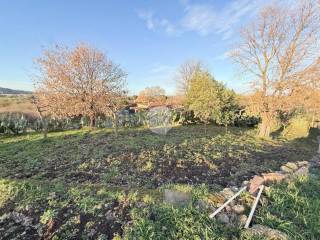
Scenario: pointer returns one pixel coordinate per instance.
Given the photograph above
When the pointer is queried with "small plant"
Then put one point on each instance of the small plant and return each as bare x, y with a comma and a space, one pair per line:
47, 215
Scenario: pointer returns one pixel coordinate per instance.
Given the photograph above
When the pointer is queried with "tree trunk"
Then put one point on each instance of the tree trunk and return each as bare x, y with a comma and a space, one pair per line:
115, 123
92, 121
45, 127
313, 121
265, 126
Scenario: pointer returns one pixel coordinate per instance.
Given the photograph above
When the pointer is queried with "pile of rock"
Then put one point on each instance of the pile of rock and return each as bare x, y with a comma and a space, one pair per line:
264, 232
234, 213
287, 171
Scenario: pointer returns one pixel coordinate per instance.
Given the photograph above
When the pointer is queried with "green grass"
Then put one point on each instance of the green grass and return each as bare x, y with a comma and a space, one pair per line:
294, 208
167, 222
88, 184
140, 158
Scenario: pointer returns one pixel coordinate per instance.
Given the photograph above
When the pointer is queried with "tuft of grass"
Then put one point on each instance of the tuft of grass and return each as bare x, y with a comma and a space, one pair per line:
168, 222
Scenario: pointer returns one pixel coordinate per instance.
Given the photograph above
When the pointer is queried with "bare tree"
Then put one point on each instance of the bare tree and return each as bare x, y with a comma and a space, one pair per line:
152, 95
185, 73
279, 50
80, 81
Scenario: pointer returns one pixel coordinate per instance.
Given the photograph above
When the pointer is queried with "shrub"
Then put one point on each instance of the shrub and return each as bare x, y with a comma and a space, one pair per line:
13, 124
298, 127
245, 120
210, 100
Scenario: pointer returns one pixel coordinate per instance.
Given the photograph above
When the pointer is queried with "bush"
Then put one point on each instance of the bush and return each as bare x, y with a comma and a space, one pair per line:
13, 124
185, 117
298, 127
276, 125
244, 120
18, 123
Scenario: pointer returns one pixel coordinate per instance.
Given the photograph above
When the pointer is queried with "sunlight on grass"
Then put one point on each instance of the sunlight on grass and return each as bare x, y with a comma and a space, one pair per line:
294, 208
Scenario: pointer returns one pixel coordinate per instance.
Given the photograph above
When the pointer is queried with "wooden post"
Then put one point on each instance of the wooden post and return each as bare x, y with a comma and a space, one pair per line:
227, 202
254, 207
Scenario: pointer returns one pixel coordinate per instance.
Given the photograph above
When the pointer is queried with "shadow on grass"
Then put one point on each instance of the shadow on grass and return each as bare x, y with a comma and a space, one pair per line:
276, 134
140, 158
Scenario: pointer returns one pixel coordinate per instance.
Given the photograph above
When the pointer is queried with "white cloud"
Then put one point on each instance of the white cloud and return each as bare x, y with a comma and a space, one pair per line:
199, 18
205, 19
168, 27
149, 19
155, 23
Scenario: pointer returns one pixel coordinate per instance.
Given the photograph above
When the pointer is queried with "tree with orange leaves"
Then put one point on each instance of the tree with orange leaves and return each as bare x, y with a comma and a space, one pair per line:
81, 81
152, 95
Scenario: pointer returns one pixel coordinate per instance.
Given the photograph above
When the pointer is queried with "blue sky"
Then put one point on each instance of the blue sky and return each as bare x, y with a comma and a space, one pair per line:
149, 38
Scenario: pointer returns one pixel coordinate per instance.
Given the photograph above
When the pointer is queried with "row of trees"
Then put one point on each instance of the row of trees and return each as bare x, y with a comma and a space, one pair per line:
279, 51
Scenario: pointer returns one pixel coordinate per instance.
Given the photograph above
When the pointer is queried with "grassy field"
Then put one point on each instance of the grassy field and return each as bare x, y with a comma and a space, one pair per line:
294, 208
16, 103
89, 184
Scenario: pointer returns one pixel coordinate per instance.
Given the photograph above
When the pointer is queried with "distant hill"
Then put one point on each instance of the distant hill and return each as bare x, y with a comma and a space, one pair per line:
12, 91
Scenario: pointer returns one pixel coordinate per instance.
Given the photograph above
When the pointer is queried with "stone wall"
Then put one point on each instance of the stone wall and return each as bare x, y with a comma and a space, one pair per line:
231, 214
234, 214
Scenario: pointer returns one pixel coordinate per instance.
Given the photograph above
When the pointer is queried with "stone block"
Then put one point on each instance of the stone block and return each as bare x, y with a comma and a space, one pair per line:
273, 177
303, 171
292, 165
227, 193
302, 163
255, 183
266, 232
176, 197
286, 169
238, 209
242, 220
222, 217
